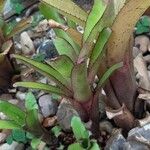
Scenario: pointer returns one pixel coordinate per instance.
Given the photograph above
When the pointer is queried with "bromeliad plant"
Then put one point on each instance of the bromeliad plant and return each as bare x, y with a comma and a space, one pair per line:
74, 71
80, 55
124, 104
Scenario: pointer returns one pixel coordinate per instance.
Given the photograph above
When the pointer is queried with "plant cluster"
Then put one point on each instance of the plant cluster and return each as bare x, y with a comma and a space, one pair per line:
81, 70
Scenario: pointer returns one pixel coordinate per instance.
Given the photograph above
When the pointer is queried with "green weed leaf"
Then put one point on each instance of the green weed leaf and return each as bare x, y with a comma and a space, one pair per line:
8, 124
56, 130
32, 121
94, 146
13, 112
19, 135
35, 143
79, 129
75, 146
30, 102
143, 25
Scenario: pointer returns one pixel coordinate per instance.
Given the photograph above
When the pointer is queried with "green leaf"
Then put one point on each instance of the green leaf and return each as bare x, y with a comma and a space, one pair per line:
80, 85
99, 46
19, 135
51, 13
75, 146
56, 130
97, 54
108, 73
95, 15
110, 13
13, 112
46, 70
71, 10
95, 146
63, 65
142, 29
35, 143
145, 20
143, 25
8, 124
32, 121
42, 86
30, 102
79, 129
64, 48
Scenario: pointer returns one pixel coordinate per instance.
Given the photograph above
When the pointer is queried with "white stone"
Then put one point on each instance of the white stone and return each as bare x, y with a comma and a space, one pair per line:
27, 44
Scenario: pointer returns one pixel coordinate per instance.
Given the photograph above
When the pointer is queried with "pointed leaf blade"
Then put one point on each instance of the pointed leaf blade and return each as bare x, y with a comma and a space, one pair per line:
108, 73
99, 46
113, 7
95, 15
45, 70
97, 54
41, 86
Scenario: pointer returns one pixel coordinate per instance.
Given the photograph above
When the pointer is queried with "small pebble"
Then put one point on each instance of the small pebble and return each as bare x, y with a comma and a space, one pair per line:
142, 43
